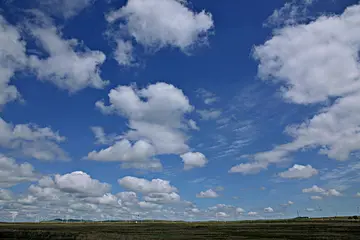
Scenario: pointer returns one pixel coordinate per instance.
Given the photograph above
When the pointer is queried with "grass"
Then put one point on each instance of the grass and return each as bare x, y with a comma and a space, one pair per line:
308, 229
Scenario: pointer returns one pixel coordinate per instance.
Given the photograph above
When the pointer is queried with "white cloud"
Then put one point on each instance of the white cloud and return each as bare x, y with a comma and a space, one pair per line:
44, 193
253, 214
240, 210
209, 114
64, 8
291, 13
12, 58
145, 186
28, 200
268, 210
5, 195
358, 194
193, 160
32, 141
316, 189
166, 140
12, 173
288, 59
101, 137
159, 103
207, 194
333, 192
222, 215
124, 151
106, 199
193, 125
248, 168
155, 24
124, 53
310, 209
163, 198
148, 205
81, 184
69, 65
157, 122
299, 172
316, 198
83, 207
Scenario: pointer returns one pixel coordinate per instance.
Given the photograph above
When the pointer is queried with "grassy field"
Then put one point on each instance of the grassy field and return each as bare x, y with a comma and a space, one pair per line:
325, 229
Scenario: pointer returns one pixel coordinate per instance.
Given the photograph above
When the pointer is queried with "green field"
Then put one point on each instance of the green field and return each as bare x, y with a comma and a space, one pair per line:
326, 229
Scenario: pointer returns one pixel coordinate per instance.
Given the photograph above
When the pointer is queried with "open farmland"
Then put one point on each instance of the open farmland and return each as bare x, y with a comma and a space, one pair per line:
327, 229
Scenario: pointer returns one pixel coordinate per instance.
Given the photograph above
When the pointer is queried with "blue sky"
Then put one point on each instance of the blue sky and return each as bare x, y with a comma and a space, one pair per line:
174, 109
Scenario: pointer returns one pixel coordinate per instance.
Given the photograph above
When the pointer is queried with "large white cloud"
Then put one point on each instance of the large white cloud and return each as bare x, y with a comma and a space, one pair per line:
331, 43
145, 186
32, 141
193, 160
81, 183
69, 65
12, 58
12, 173
299, 172
157, 121
156, 24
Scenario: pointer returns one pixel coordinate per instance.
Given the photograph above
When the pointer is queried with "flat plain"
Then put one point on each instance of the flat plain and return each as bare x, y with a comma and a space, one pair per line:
316, 229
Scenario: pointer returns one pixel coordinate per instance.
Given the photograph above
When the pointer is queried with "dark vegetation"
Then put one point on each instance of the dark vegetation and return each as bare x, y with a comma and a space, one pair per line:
281, 229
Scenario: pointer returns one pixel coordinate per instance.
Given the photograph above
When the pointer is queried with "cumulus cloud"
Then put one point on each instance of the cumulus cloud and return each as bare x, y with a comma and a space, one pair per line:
299, 172
124, 151
158, 26
12, 59
207, 194
5, 195
240, 211
12, 173
80, 183
163, 198
145, 186
316, 189
268, 210
70, 65
193, 160
32, 141
288, 58
252, 214
157, 122
222, 215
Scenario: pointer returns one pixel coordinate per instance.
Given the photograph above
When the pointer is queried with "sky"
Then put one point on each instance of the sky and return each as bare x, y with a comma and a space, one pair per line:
179, 109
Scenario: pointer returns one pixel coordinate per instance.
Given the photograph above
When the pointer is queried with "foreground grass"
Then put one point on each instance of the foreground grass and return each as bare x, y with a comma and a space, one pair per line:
325, 229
